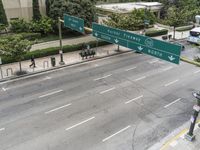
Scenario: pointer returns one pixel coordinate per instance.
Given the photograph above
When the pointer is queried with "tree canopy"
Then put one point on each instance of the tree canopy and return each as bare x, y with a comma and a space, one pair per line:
3, 18
36, 10
79, 8
133, 21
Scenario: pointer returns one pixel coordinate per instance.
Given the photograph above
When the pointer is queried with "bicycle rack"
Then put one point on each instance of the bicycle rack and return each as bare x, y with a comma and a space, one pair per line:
11, 71
45, 64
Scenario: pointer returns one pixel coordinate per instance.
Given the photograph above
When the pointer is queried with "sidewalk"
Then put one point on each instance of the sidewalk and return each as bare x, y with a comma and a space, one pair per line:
177, 141
69, 58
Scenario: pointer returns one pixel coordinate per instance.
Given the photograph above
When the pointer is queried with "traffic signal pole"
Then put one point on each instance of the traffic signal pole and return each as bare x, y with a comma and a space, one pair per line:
190, 136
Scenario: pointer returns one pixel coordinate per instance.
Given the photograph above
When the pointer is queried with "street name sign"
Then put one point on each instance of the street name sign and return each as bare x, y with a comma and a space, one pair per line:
160, 49
74, 23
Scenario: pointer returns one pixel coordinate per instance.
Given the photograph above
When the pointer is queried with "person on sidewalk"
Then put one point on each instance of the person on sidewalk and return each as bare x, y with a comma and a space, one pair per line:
32, 62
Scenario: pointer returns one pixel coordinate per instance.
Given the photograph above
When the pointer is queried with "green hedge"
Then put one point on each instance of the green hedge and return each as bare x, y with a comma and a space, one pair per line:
31, 36
53, 51
185, 28
153, 33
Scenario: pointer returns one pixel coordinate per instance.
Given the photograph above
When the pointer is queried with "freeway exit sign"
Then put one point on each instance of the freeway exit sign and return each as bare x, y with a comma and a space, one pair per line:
160, 49
74, 23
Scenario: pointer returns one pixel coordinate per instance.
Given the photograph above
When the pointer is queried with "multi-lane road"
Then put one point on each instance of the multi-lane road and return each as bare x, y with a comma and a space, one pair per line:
125, 102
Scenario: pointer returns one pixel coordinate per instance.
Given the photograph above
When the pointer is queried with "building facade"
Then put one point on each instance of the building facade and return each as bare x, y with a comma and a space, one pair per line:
21, 9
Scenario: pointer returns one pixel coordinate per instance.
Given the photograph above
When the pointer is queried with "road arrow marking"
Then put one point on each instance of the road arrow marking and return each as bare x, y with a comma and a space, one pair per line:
80, 28
140, 48
171, 58
116, 40
96, 34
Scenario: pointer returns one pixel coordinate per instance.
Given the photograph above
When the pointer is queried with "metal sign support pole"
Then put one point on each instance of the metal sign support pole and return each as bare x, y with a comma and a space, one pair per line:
60, 38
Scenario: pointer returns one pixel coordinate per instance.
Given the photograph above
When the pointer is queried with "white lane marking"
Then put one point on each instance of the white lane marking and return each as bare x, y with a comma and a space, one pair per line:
134, 99
197, 71
4, 89
78, 124
55, 92
130, 69
116, 133
61, 107
103, 77
168, 68
172, 103
170, 83
138, 79
2, 129
47, 78
108, 90
154, 61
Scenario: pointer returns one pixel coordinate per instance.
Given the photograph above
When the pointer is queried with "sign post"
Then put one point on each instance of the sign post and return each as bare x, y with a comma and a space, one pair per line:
74, 23
60, 38
1, 68
160, 49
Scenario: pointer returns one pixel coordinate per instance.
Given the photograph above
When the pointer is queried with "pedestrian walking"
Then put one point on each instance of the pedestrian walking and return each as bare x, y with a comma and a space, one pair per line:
32, 62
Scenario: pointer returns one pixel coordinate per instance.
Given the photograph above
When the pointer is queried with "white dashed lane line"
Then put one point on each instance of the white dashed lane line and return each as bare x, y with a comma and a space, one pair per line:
49, 94
103, 77
120, 131
166, 106
108, 90
141, 78
58, 108
134, 99
2, 129
170, 83
78, 124
153, 61
130, 68
46, 78
168, 68
198, 71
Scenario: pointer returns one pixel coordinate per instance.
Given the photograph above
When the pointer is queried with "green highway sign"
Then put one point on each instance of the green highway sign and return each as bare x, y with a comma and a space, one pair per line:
74, 23
160, 49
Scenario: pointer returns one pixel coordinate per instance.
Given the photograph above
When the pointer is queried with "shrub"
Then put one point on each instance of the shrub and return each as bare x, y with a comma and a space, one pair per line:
43, 26
153, 33
185, 28
31, 36
197, 58
19, 25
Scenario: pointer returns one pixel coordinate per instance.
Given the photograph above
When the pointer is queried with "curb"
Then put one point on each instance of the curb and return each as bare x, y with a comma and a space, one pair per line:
190, 61
64, 66
173, 136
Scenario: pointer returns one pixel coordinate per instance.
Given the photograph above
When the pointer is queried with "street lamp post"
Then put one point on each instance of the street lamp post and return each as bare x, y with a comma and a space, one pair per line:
60, 38
190, 136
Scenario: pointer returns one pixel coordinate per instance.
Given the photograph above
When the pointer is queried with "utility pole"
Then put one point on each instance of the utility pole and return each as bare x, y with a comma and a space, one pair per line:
60, 38
190, 136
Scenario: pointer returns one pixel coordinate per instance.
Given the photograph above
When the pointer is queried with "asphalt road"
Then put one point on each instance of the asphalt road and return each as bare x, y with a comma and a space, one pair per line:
125, 102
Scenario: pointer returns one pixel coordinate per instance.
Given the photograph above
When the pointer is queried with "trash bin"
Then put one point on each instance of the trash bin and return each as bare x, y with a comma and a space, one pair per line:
53, 61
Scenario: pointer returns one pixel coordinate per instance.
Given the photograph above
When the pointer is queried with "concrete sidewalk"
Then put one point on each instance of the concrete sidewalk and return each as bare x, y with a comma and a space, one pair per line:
176, 140
69, 58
